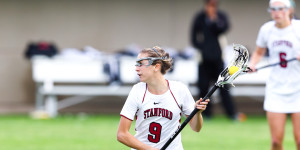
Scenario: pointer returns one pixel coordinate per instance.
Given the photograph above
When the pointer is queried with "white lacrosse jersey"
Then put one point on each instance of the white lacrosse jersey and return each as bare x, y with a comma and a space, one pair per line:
284, 79
158, 116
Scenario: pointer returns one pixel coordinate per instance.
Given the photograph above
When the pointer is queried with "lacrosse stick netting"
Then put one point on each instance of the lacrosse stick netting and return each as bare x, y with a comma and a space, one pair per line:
239, 60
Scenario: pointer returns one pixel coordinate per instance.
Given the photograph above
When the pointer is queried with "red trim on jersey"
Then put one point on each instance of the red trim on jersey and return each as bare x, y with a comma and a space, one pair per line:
136, 114
145, 92
125, 117
180, 119
173, 94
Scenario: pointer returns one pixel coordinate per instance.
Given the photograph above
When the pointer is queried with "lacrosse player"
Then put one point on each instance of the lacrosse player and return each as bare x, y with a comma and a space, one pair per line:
282, 37
156, 104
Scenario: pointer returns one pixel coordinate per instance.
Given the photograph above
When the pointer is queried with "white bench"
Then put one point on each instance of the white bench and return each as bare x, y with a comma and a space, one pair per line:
78, 73
85, 78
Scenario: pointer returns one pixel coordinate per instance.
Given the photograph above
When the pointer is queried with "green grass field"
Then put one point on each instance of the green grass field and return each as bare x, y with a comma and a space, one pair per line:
98, 132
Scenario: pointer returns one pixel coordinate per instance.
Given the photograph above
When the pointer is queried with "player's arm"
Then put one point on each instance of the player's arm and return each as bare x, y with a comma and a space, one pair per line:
256, 57
197, 121
125, 137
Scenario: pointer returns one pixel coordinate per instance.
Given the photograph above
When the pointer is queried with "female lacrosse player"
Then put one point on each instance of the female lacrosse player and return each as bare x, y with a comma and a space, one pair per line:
282, 37
156, 104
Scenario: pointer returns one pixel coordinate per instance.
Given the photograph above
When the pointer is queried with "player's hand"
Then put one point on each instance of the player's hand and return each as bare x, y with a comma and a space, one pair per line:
251, 69
201, 105
298, 57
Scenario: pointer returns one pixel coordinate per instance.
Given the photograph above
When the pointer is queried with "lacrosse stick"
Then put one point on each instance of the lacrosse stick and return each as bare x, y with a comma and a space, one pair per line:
279, 63
237, 66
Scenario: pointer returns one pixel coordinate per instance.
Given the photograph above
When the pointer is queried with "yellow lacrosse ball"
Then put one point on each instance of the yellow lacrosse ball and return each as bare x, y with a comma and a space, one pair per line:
233, 69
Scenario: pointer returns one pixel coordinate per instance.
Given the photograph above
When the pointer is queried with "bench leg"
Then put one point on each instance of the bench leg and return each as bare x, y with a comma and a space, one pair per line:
39, 98
51, 105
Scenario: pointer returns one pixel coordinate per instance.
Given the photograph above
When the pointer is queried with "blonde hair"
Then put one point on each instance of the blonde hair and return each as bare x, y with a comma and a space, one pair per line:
166, 61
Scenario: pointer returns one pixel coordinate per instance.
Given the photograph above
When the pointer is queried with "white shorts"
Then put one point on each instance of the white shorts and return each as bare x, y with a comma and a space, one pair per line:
280, 103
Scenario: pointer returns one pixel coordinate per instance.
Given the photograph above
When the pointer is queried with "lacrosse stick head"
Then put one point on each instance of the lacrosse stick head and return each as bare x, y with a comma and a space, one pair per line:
237, 65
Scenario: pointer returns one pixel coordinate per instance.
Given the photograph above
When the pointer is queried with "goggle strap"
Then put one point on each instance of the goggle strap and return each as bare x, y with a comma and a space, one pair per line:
156, 51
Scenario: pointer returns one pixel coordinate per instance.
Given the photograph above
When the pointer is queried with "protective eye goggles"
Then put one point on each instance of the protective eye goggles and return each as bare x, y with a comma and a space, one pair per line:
150, 61
279, 8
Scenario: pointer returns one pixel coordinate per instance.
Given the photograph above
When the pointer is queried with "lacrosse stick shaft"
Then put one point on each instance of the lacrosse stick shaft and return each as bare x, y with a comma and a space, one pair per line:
275, 64
187, 120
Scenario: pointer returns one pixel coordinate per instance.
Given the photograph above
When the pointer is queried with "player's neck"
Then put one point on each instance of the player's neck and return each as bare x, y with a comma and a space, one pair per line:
283, 24
158, 87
